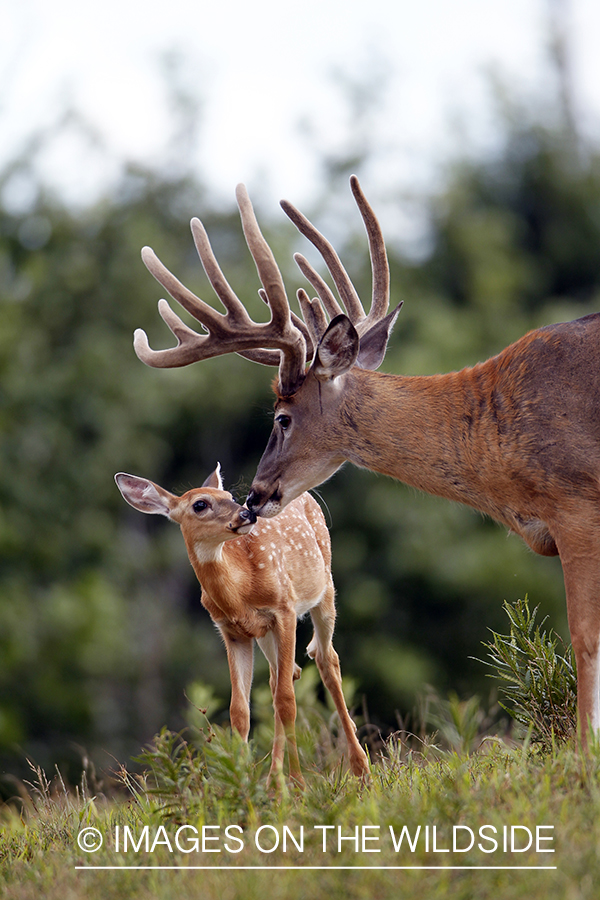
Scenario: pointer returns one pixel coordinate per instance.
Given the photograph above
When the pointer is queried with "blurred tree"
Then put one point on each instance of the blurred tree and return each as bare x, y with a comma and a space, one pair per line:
96, 638
101, 627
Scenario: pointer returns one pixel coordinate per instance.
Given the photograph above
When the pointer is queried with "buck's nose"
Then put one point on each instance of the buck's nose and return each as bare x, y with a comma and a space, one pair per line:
261, 500
254, 499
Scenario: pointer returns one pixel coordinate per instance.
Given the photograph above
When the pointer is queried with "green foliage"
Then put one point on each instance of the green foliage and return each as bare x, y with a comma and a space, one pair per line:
97, 641
101, 627
173, 775
497, 787
460, 723
538, 682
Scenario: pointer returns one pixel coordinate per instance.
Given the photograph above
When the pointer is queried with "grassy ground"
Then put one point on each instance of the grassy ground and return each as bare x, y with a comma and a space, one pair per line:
337, 839
456, 814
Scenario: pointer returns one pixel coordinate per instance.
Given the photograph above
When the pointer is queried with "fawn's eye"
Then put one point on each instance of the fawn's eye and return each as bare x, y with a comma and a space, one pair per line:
284, 422
199, 506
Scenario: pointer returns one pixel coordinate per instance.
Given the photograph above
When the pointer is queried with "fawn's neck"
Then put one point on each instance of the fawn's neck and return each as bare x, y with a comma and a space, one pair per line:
222, 571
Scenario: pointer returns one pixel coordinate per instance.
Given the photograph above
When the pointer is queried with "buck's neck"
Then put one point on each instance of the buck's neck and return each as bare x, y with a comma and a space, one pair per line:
430, 432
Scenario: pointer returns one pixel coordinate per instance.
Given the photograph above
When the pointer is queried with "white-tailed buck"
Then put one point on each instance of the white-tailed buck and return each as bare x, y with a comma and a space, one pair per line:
517, 437
257, 578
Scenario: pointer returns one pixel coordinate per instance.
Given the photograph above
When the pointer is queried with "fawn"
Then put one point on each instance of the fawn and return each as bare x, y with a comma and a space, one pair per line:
257, 579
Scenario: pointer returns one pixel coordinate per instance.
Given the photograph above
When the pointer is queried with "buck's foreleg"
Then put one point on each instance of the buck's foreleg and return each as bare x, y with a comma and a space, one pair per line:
328, 663
240, 656
580, 557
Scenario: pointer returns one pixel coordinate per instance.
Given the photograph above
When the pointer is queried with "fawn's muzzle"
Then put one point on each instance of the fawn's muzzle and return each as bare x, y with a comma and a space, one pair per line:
248, 515
243, 521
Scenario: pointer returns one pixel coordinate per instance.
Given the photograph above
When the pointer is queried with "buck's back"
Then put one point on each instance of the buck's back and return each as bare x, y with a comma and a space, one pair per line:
534, 411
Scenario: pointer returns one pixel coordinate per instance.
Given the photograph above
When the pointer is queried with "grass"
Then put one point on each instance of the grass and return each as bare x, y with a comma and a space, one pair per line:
202, 801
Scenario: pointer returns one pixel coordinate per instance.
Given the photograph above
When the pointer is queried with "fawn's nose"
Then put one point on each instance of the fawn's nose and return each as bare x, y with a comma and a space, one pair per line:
248, 515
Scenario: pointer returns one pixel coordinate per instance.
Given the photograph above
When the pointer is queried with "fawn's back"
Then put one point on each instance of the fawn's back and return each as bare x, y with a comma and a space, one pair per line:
282, 561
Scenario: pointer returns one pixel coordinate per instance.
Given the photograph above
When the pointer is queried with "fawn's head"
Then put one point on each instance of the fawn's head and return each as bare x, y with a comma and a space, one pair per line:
207, 515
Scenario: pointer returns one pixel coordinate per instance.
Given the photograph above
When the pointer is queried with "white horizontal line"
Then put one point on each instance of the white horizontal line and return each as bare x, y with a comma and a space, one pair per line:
302, 868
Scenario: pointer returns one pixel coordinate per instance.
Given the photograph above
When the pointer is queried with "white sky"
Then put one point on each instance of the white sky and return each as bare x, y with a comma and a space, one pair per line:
261, 66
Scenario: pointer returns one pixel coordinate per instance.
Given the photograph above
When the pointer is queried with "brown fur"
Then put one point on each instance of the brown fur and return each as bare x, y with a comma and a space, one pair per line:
517, 437
254, 587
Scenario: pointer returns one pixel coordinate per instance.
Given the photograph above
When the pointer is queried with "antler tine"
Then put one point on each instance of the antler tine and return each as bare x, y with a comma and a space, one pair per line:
292, 344
379, 261
267, 268
283, 341
300, 325
314, 315
190, 345
196, 307
235, 309
188, 342
346, 289
321, 287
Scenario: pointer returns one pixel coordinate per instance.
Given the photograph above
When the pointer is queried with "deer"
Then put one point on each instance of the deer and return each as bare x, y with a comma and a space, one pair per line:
257, 579
516, 437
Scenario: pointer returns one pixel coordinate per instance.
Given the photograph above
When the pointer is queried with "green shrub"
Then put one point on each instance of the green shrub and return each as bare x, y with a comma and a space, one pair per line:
538, 682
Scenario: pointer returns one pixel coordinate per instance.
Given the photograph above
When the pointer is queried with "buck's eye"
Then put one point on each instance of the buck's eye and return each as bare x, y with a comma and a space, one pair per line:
284, 422
199, 506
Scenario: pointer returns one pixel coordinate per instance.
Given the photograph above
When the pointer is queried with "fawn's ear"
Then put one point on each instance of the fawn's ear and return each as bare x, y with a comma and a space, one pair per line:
214, 480
145, 495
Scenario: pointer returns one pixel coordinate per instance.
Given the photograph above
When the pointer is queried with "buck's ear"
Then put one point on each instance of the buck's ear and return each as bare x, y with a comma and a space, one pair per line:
214, 480
338, 349
145, 495
373, 343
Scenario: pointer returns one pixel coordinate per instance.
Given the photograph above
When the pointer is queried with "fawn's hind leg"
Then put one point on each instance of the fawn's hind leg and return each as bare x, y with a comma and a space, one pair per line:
328, 663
